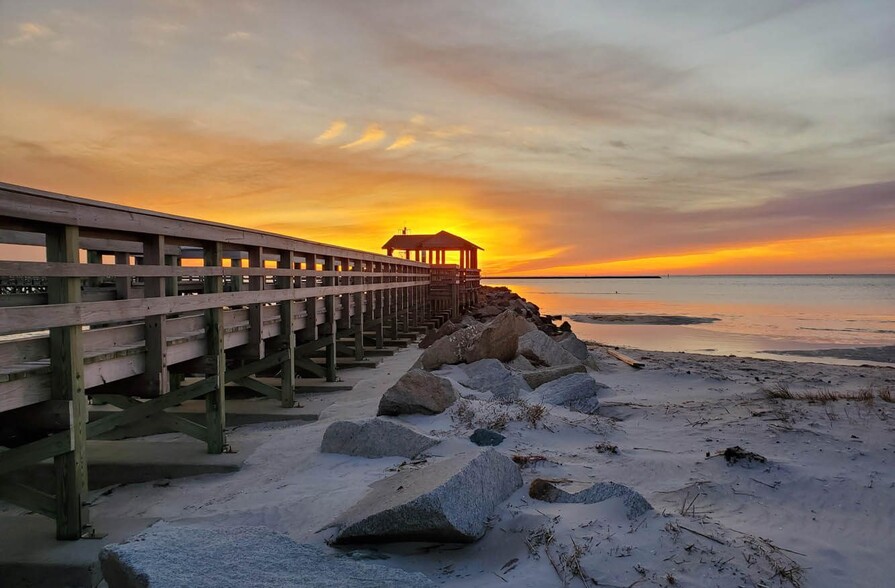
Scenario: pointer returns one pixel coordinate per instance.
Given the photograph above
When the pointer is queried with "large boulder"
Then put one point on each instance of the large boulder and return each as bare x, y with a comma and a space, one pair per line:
576, 392
244, 557
418, 392
500, 338
635, 504
444, 330
490, 375
571, 343
448, 501
376, 437
540, 377
451, 349
541, 350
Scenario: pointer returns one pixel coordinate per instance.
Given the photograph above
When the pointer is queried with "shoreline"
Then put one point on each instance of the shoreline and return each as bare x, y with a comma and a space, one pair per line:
818, 508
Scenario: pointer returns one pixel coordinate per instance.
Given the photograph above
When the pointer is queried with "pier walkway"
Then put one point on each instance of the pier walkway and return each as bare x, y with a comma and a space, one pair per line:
143, 311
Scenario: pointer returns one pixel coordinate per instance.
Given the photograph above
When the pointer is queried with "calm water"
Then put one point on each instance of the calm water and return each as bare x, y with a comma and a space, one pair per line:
756, 313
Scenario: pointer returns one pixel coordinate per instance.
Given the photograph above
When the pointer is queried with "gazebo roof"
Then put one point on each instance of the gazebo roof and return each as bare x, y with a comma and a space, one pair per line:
440, 240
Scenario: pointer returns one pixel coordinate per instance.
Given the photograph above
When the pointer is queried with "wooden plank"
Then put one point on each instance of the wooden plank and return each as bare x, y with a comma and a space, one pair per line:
28, 498
30, 318
255, 347
67, 384
259, 387
24, 203
625, 359
173, 422
52, 446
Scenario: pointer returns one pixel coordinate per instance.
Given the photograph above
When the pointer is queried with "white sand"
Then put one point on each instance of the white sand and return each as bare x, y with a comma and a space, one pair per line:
826, 492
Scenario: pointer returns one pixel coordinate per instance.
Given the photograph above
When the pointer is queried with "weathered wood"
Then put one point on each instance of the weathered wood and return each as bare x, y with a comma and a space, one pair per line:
47, 207
67, 384
215, 411
255, 347
287, 333
156, 331
260, 387
28, 498
625, 359
52, 446
329, 329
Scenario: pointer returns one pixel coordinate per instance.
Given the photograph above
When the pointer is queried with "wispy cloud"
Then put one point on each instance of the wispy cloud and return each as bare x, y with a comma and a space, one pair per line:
402, 142
336, 128
238, 36
30, 31
372, 135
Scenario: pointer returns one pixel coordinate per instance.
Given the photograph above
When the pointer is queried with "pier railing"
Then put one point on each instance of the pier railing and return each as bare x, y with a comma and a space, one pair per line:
127, 303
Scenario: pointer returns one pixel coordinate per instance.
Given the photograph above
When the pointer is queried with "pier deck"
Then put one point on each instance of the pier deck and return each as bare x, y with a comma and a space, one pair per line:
144, 311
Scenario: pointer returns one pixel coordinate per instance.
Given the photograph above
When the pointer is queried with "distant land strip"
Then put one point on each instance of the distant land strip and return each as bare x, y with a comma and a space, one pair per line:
571, 277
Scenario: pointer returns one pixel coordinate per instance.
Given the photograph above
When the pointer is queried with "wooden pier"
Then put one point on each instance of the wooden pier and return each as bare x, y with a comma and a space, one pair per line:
131, 304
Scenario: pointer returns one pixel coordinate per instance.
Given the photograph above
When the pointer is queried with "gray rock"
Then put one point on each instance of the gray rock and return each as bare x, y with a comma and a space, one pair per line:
576, 392
418, 392
377, 437
444, 330
486, 438
571, 343
490, 375
542, 376
500, 338
165, 556
542, 351
452, 348
635, 503
520, 364
448, 501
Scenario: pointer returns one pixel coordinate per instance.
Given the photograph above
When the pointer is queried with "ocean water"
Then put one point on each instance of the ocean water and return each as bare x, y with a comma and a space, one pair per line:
757, 315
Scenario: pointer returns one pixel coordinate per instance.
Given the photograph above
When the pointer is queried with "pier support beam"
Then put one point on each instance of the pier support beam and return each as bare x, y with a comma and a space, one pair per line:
215, 409
287, 332
67, 384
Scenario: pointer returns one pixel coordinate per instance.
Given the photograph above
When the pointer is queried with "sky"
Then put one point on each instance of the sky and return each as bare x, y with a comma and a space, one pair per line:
579, 137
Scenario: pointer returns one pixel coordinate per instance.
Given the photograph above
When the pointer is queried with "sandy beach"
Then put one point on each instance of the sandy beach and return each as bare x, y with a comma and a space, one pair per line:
815, 510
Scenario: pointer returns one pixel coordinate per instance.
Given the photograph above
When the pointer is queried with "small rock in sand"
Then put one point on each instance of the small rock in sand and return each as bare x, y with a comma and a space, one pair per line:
576, 392
418, 392
447, 501
376, 437
486, 438
244, 557
635, 504
736, 454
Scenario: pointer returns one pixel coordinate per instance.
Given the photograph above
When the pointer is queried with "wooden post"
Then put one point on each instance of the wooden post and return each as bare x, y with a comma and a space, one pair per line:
215, 401
172, 286
123, 285
379, 297
309, 333
345, 299
329, 328
67, 384
287, 332
358, 311
255, 348
157, 382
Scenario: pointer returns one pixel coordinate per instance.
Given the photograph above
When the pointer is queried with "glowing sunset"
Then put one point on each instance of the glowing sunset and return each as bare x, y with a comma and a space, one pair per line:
593, 137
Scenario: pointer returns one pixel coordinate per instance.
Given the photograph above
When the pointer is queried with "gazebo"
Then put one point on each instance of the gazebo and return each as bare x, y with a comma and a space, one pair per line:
432, 249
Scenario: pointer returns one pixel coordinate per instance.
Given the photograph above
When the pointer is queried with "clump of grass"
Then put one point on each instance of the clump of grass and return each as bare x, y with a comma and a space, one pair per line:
778, 391
606, 447
781, 391
533, 414
885, 394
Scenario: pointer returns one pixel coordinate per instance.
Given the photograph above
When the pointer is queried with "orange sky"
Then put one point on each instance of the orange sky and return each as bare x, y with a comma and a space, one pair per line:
342, 128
